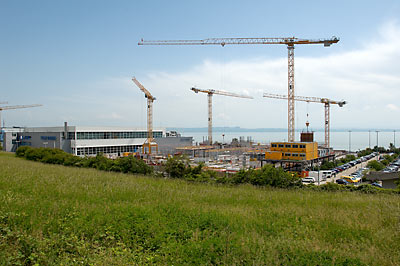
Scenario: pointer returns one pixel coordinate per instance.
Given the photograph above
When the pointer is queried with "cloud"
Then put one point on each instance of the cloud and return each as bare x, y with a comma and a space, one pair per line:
392, 107
367, 78
112, 115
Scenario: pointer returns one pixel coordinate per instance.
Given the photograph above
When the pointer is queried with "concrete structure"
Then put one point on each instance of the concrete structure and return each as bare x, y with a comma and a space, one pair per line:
89, 141
388, 179
9, 137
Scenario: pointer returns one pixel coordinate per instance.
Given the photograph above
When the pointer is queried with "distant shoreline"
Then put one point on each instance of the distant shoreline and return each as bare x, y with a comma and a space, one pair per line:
238, 129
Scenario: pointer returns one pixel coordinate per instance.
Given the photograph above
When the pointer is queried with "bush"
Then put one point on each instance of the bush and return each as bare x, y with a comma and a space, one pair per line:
22, 150
368, 189
385, 162
268, 175
365, 152
128, 164
331, 187
176, 167
377, 166
326, 165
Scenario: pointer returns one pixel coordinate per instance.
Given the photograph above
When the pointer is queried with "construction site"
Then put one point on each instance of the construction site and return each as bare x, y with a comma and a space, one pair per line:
296, 154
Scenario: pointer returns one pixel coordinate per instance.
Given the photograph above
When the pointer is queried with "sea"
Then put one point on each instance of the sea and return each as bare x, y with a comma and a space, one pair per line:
339, 140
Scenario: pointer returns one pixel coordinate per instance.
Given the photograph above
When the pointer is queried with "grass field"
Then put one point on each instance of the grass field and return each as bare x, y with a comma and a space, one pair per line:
56, 215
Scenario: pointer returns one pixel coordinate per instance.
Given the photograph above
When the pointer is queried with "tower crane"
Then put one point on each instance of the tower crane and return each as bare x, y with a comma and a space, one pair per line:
210, 93
290, 42
10, 107
150, 99
325, 101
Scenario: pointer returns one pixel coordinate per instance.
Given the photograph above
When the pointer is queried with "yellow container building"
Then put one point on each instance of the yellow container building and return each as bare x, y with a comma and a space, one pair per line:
298, 151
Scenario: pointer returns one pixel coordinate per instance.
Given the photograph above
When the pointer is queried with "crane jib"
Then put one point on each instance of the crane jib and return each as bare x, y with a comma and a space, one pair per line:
290, 41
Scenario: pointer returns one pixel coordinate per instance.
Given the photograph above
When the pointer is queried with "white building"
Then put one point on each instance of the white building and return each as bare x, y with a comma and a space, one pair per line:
89, 141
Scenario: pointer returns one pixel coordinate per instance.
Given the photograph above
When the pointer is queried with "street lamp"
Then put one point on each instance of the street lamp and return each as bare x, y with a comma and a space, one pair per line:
349, 141
377, 139
394, 138
369, 139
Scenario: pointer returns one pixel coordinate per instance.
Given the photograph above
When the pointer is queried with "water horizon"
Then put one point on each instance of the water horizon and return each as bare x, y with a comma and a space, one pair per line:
339, 140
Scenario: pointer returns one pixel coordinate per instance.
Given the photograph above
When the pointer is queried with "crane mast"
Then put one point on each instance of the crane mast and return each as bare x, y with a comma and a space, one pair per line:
289, 41
210, 93
325, 101
150, 100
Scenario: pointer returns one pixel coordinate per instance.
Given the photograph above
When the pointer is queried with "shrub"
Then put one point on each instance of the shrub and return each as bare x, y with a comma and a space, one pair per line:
377, 166
331, 187
326, 165
368, 189
176, 167
22, 150
56, 156
268, 175
241, 177
365, 152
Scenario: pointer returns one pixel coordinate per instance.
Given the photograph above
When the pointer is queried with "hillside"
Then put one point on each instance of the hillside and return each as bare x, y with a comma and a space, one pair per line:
52, 215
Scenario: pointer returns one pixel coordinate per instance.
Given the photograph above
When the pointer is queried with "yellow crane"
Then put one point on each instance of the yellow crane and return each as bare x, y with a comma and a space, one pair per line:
290, 42
10, 107
149, 143
210, 93
325, 101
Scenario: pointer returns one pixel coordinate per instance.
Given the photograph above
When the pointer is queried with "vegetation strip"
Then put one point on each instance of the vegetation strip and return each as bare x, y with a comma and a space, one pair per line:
178, 167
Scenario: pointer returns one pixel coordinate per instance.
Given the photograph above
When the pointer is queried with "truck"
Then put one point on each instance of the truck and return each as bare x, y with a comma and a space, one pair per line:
323, 174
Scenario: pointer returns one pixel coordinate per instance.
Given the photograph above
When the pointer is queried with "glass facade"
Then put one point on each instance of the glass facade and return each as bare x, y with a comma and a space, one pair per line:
106, 150
113, 135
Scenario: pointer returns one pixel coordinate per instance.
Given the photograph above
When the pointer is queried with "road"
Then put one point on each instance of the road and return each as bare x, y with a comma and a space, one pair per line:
347, 172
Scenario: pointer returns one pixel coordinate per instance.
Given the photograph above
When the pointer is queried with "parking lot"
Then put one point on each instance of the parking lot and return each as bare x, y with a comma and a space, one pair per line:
348, 169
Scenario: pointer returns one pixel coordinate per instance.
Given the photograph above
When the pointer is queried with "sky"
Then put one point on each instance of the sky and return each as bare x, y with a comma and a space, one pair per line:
77, 58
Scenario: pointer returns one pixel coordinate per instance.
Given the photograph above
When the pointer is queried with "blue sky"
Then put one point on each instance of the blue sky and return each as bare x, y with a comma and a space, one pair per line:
77, 57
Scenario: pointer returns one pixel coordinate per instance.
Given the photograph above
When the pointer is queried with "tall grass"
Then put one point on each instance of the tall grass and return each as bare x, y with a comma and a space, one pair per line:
53, 215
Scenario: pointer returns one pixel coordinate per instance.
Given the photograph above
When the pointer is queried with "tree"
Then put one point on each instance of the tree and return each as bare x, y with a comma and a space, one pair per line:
176, 167
377, 166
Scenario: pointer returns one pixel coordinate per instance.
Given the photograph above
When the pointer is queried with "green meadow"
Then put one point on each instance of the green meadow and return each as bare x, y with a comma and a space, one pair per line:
57, 215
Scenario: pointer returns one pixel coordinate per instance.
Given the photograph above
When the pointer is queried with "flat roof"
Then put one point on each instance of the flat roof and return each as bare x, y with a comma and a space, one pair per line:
89, 129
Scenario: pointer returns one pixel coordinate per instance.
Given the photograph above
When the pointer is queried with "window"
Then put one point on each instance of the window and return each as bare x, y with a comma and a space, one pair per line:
287, 145
302, 155
280, 145
295, 146
302, 146
295, 154
48, 137
287, 154
273, 145
113, 135
88, 151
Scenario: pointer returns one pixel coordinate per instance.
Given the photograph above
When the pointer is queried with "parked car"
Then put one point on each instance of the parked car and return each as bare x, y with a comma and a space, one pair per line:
351, 179
341, 182
308, 180
376, 185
